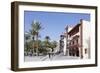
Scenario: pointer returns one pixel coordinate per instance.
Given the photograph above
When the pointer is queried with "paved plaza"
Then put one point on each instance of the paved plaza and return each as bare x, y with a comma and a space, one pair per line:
49, 58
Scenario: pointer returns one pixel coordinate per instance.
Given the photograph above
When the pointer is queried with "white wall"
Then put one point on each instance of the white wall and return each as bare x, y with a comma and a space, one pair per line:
86, 37
5, 28
64, 50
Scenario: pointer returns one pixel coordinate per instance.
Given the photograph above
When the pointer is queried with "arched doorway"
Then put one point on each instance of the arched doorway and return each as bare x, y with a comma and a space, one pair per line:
77, 52
73, 51
70, 52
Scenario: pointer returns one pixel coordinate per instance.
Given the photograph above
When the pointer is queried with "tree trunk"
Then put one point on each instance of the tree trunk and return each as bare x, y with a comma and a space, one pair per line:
37, 45
33, 48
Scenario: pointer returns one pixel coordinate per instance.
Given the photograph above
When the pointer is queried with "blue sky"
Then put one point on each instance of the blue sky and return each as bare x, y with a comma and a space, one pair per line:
53, 23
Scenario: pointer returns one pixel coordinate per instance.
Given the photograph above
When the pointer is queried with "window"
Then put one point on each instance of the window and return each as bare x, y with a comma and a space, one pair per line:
73, 42
77, 41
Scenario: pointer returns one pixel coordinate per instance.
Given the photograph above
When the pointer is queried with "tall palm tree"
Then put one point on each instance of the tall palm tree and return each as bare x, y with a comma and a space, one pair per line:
47, 43
26, 38
47, 38
35, 28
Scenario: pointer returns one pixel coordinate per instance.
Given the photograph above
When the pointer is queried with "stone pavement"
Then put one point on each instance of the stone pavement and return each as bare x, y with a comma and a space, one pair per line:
47, 58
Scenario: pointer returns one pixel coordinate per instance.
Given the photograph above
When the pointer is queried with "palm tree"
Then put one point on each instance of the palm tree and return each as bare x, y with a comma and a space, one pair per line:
26, 38
36, 27
33, 33
47, 38
53, 45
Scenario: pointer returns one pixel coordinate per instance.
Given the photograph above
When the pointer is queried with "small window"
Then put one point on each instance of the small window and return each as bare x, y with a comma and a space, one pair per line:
73, 42
77, 41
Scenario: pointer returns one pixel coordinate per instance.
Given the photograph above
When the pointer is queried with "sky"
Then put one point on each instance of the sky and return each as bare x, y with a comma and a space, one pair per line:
53, 23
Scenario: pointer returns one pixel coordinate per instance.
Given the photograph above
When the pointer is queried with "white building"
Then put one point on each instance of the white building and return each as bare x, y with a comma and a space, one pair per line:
76, 42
